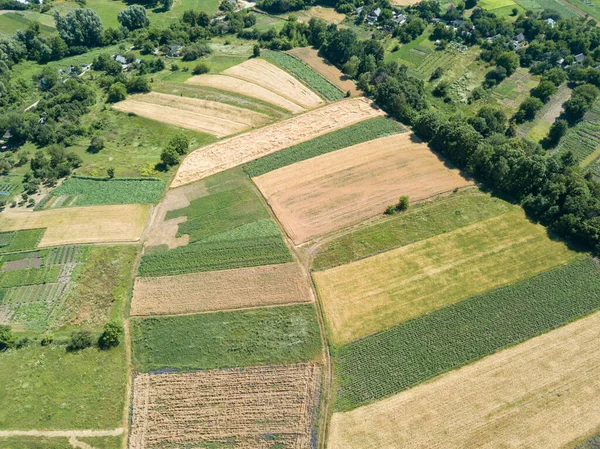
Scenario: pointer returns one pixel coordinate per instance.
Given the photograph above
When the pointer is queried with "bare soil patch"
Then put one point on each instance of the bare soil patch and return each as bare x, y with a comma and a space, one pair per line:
211, 117
28, 262
221, 290
265, 74
255, 407
540, 394
249, 89
238, 150
347, 186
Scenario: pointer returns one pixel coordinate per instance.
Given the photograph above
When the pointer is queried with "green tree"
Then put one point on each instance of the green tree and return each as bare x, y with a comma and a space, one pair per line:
111, 336
256, 51
110, 171
96, 144
7, 338
180, 143
403, 204
509, 61
201, 69
169, 157
80, 26
528, 109
117, 92
544, 90
80, 339
133, 17
557, 130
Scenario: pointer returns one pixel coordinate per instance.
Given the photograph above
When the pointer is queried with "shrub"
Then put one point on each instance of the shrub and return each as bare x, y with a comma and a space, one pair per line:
256, 51
96, 144
179, 143
195, 51
169, 157
80, 339
7, 338
46, 339
111, 336
201, 69
117, 92
402, 204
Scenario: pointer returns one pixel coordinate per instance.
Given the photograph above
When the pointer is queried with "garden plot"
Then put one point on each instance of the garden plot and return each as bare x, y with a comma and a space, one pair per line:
221, 290
238, 150
380, 291
211, 117
93, 224
271, 77
242, 87
540, 394
273, 406
347, 186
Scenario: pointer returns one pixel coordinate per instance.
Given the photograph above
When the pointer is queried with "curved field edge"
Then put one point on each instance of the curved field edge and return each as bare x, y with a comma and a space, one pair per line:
391, 361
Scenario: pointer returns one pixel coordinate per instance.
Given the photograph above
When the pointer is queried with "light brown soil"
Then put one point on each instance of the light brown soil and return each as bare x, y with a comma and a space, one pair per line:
242, 87
91, 224
542, 394
311, 57
206, 116
220, 290
347, 186
246, 405
404, 2
265, 74
238, 150
319, 12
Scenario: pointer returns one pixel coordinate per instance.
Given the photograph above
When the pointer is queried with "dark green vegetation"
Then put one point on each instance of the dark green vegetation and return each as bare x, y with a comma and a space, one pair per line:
93, 192
46, 387
226, 339
20, 240
304, 72
395, 359
582, 139
419, 223
228, 228
345, 137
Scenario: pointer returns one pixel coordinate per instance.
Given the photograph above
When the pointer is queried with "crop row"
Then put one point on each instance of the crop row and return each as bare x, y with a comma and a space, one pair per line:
20, 240
583, 139
304, 72
393, 360
16, 278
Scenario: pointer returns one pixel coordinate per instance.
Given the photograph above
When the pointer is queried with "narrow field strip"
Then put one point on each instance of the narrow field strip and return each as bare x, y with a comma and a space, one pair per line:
239, 86
344, 187
90, 224
20, 240
540, 394
211, 117
221, 290
271, 77
238, 150
381, 291
61, 433
272, 406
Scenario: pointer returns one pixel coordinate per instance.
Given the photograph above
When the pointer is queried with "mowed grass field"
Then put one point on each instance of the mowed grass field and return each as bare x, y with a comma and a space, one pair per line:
372, 294
541, 394
226, 339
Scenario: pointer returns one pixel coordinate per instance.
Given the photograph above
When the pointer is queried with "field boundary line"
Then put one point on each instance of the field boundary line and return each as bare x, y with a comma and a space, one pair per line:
62, 433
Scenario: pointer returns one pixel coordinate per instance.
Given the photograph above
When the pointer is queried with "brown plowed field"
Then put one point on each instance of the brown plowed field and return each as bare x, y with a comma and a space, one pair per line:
337, 189
238, 150
221, 290
242, 87
254, 407
311, 57
91, 224
205, 116
541, 394
265, 74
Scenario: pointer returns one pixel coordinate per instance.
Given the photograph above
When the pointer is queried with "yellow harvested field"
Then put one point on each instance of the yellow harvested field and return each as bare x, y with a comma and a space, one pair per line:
319, 12
250, 406
541, 394
271, 77
377, 292
311, 57
336, 189
91, 224
206, 116
238, 150
221, 290
404, 2
242, 87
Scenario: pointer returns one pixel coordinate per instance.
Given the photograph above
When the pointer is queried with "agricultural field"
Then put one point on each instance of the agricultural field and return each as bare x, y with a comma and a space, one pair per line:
12, 241
502, 8
504, 400
305, 72
209, 117
334, 190
538, 129
273, 406
563, 10
511, 92
221, 290
455, 265
411, 54
12, 21
80, 191
226, 339
90, 224
241, 149
584, 138
589, 7
420, 222
391, 361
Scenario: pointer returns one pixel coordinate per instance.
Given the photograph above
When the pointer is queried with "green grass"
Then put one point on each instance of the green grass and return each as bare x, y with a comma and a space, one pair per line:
400, 357
413, 53
48, 388
305, 73
419, 223
11, 22
93, 192
564, 11
352, 135
20, 240
30, 276
34, 443
226, 339
103, 442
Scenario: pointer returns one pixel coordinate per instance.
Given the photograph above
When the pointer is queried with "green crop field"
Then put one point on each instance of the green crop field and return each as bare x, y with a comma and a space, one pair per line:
11, 22
420, 222
78, 191
405, 355
583, 138
564, 11
49, 388
361, 132
590, 7
28, 276
226, 339
34, 443
20, 240
302, 71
